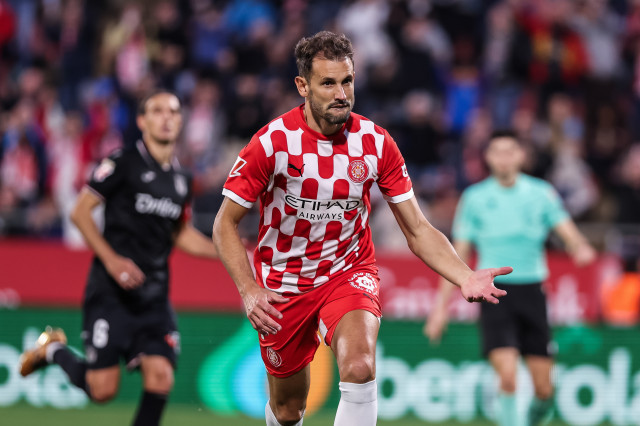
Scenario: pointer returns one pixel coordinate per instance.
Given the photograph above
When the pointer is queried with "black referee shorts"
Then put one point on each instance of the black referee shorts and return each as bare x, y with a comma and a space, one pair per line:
518, 321
112, 332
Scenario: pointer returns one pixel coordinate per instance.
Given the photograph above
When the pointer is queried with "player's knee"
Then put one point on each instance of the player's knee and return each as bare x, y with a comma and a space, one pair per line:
104, 392
360, 370
508, 384
159, 380
290, 413
544, 391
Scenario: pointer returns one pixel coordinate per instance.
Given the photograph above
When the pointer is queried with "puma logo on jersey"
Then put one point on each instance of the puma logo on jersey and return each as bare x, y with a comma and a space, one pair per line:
148, 176
299, 170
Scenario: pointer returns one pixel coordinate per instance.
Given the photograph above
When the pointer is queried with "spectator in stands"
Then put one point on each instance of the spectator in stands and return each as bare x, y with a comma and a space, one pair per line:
503, 60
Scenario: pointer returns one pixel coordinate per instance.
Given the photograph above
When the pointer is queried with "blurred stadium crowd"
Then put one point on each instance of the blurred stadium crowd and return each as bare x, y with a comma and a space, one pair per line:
440, 75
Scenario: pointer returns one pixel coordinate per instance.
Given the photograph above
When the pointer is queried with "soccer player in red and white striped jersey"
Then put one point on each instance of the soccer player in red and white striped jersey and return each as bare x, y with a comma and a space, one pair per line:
312, 169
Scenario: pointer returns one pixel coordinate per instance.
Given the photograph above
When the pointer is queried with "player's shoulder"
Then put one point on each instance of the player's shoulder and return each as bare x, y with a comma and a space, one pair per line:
118, 157
114, 163
287, 121
479, 188
124, 154
360, 123
274, 135
535, 184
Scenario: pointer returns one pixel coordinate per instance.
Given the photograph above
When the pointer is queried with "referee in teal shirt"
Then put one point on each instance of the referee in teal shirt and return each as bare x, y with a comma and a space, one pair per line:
507, 218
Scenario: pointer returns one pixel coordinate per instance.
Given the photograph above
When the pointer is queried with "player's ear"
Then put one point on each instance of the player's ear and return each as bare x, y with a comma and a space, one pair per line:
140, 122
302, 85
521, 155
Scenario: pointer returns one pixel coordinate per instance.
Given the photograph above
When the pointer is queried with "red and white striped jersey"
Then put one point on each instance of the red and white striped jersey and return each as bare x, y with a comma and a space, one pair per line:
314, 197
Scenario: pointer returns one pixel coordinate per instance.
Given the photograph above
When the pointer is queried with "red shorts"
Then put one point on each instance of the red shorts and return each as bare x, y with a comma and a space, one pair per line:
293, 347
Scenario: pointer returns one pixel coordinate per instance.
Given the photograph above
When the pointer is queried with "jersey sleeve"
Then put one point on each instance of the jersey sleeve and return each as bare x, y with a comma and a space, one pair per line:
250, 175
393, 178
554, 211
108, 176
464, 221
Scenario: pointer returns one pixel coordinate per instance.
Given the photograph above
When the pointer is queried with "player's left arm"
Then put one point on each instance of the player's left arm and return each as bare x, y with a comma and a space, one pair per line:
435, 250
558, 219
425, 241
194, 242
575, 243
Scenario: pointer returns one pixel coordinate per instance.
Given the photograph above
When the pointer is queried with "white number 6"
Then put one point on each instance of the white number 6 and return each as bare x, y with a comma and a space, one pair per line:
100, 333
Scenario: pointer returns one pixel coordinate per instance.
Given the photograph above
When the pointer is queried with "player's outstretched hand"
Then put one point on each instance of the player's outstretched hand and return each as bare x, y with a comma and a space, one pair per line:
125, 272
479, 286
258, 302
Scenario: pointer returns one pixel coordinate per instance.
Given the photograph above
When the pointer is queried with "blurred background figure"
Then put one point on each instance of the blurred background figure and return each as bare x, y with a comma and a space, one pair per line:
507, 218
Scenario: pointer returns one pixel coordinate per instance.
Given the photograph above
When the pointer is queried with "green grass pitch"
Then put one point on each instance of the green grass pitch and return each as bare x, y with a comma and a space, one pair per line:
178, 415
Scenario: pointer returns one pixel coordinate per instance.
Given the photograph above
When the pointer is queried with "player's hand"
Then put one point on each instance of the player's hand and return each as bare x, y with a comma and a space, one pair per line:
258, 302
436, 324
479, 286
584, 255
125, 272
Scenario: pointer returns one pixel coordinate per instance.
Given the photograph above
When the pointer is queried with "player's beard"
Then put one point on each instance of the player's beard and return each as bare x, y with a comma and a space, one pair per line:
319, 112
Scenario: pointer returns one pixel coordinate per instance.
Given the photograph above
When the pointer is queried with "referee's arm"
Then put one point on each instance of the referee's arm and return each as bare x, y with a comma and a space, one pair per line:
575, 243
438, 318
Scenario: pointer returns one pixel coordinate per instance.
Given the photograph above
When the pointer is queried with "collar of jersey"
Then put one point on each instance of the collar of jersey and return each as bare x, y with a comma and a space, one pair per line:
151, 162
517, 184
299, 116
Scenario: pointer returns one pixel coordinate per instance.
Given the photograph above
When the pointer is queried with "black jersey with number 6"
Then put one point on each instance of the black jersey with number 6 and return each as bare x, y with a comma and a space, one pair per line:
144, 207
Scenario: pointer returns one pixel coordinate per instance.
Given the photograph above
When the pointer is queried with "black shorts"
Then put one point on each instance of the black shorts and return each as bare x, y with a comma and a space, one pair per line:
518, 321
111, 331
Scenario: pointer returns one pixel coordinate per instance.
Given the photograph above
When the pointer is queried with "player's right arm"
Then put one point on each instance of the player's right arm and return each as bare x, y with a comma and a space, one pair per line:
248, 179
123, 270
438, 318
106, 180
257, 300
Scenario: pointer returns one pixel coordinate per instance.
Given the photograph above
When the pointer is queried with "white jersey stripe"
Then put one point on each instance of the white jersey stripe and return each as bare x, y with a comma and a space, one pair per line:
236, 198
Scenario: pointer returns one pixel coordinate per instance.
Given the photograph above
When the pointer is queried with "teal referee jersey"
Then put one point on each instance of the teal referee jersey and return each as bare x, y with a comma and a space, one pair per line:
509, 225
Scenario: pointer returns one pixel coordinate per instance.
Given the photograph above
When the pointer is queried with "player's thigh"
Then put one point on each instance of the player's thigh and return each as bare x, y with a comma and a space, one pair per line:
505, 363
103, 383
354, 345
289, 394
106, 333
156, 335
540, 370
498, 324
157, 373
534, 323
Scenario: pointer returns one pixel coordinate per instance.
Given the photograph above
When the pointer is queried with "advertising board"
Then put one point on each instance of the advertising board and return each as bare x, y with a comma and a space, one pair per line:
597, 377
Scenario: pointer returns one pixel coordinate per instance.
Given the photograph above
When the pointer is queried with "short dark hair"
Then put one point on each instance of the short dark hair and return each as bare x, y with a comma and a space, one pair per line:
325, 45
501, 133
142, 105
504, 133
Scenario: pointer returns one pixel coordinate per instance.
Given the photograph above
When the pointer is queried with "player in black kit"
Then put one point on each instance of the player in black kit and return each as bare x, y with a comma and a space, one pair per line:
126, 310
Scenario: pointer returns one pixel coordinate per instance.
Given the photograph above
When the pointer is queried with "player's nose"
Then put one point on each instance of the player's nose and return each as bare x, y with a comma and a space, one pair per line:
340, 94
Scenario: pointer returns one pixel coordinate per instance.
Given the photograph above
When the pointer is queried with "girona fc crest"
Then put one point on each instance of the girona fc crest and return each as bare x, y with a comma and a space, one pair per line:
358, 171
274, 357
364, 281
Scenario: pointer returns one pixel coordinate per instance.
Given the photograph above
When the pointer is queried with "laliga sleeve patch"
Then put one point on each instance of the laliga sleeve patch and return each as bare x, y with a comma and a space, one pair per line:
104, 170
